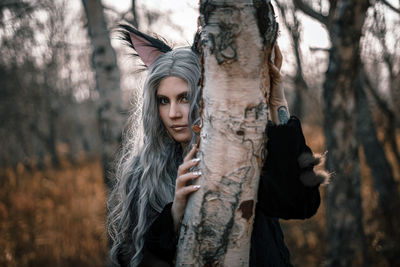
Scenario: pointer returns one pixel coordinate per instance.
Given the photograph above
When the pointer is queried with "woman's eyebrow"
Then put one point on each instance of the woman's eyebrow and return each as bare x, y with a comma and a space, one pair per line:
178, 96
183, 94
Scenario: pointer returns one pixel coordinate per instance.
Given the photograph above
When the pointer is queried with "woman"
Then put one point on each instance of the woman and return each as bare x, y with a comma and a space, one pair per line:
149, 198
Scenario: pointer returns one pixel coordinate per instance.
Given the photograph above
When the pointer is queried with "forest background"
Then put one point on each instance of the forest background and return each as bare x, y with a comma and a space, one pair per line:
57, 141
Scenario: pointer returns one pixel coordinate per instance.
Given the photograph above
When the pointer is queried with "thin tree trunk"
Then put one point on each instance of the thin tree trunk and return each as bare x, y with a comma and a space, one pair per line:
395, 93
390, 131
390, 127
135, 21
300, 85
380, 31
52, 138
346, 238
237, 40
107, 83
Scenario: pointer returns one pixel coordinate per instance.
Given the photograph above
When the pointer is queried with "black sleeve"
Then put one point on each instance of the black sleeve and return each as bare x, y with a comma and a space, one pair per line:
161, 239
281, 193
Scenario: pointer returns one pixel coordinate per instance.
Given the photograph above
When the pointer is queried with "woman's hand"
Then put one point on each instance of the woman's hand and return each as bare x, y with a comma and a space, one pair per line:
181, 189
277, 101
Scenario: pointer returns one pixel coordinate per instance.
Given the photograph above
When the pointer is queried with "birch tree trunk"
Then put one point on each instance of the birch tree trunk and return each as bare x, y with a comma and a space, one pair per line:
107, 77
236, 44
346, 239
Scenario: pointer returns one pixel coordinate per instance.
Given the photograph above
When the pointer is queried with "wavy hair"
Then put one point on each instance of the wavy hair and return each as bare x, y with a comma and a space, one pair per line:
148, 162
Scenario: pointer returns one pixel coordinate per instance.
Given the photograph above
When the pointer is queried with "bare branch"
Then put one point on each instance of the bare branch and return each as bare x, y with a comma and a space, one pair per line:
389, 5
316, 49
380, 31
121, 15
382, 104
306, 9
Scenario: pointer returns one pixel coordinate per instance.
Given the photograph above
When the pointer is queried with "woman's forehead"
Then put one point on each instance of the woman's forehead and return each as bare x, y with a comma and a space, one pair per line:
172, 85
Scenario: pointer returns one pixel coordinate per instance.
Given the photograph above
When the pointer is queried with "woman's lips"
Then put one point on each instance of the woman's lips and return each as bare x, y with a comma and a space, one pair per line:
178, 127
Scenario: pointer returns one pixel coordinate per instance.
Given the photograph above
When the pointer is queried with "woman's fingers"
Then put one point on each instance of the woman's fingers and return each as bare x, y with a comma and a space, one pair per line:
183, 179
191, 153
183, 193
179, 204
185, 166
278, 56
181, 189
275, 73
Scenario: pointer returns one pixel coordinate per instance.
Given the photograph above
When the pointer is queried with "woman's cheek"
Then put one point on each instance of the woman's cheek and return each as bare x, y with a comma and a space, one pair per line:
163, 112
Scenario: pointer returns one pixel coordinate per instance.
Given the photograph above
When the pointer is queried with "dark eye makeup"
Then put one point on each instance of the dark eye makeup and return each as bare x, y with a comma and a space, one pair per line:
162, 100
182, 97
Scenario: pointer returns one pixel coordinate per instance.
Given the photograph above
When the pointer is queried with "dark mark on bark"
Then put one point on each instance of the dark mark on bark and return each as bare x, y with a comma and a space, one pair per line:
240, 132
225, 48
246, 207
266, 22
210, 41
214, 231
220, 43
206, 8
257, 110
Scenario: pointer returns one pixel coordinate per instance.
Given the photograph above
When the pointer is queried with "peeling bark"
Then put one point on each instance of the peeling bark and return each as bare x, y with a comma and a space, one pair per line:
236, 43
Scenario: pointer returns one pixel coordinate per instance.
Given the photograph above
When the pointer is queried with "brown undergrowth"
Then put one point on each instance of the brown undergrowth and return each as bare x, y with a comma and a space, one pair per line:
56, 217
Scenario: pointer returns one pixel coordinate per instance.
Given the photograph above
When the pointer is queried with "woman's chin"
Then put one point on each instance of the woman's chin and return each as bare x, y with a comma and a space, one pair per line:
183, 139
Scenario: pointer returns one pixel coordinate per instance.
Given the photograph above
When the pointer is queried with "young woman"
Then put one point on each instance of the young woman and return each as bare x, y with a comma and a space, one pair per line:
149, 197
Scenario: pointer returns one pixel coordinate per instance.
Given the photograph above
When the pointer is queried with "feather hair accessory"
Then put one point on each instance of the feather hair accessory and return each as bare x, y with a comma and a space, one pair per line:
147, 48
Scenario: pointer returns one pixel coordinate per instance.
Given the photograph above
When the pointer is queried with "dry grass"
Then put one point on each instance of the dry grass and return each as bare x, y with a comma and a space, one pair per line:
56, 217
53, 217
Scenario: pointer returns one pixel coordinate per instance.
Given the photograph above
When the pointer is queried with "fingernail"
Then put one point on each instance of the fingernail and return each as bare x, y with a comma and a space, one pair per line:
197, 186
193, 146
198, 173
196, 160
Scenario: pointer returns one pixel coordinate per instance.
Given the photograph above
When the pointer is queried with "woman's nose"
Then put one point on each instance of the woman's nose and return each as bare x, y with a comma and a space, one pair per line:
174, 111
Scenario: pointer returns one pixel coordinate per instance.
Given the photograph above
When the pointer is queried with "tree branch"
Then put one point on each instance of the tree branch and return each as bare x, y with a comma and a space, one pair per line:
389, 5
121, 15
315, 49
382, 104
306, 9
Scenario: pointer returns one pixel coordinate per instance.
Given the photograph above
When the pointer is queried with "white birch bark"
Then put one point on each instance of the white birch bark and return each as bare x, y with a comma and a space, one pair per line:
217, 225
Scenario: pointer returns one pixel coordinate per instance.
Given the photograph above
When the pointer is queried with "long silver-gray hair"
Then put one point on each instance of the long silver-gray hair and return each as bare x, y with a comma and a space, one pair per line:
147, 168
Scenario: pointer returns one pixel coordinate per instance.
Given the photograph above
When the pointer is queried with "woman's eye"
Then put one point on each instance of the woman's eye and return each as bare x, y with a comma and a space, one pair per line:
162, 100
185, 99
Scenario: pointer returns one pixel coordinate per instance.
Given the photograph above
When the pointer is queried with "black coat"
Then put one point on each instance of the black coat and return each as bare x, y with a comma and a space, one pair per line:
281, 195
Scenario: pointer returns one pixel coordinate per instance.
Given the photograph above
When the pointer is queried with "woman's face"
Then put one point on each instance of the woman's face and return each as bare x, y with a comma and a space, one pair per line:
173, 107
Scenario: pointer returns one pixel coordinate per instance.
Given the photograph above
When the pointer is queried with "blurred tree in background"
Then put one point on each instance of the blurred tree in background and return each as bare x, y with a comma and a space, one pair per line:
39, 94
52, 193
104, 63
349, 124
